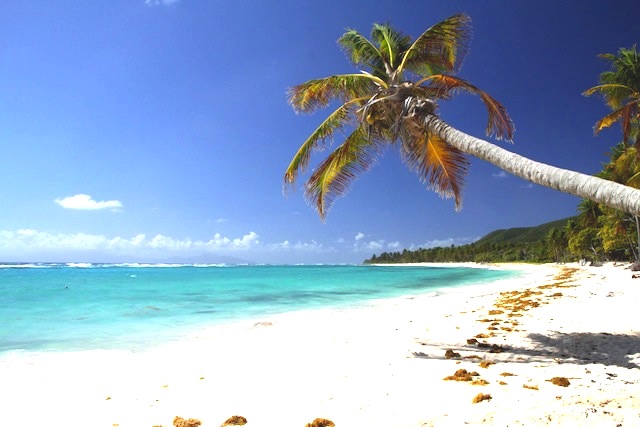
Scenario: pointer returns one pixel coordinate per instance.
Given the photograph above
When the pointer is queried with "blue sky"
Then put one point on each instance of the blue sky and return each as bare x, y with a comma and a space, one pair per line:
159, 130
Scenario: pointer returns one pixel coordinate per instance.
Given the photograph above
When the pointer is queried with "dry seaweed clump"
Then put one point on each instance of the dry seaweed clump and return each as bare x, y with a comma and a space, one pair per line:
450, 354
480, 397
321, 422
235, 420
486, 363
462, 375
181, 422
560, 381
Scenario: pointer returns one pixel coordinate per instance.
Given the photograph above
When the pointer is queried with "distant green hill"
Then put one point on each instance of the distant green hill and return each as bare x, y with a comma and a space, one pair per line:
521, 244
523, 234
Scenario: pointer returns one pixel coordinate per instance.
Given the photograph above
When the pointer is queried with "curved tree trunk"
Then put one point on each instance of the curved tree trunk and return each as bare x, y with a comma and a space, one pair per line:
599, 190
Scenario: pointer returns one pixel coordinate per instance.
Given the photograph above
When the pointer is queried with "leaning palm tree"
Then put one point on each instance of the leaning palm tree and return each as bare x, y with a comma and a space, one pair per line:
393, 101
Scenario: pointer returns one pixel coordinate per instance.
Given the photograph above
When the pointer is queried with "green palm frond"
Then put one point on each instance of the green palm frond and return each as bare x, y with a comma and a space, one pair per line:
634, 181
314, 94
435, 162
440, 49
362, 53
499, 123
625, 70
607, 88
391, 44
336, 121
332, 178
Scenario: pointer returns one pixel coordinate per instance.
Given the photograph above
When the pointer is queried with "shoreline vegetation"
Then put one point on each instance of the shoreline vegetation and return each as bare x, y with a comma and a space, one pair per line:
563, 240
556, 346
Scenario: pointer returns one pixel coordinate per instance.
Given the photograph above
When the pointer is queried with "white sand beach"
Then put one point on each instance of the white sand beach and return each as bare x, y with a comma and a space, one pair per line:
559, 347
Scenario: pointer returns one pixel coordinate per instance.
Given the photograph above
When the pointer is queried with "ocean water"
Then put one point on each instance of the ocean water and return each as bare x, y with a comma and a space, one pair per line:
73, 307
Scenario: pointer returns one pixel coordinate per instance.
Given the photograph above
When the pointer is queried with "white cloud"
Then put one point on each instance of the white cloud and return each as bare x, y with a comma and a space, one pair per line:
85, 202
27, 240
394, 245
501, 174
359, 236
375, 245
160, 2
299, 246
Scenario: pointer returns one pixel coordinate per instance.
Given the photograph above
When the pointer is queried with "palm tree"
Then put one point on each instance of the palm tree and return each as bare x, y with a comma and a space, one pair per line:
393, 102
620, 88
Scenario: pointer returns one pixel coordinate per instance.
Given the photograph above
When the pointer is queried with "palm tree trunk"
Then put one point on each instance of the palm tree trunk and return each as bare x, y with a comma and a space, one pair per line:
638, 236
599, 190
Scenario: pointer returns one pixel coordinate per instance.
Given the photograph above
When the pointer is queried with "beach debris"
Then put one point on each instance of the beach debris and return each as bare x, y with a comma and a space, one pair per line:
472, 341
450, 354
462, 375
181, 422
530, 387
493, 348
320, 422
486, 363
560, 381
495, 312
507, 374
472, 356
479, 381
262, 324
488, 320
480, 397
235, 420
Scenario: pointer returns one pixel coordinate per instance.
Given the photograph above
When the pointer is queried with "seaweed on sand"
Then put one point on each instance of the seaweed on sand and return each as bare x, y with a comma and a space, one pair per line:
462, 375
480, 397
181, 422
560, 381
235, 420
451, 354
320, 422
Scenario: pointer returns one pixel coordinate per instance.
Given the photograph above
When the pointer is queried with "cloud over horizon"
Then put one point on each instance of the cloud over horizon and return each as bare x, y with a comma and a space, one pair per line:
85, 202
160, 2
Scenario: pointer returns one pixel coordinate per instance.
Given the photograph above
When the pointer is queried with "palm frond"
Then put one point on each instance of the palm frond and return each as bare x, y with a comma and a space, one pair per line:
634, 181
314, 94
361, 52
391, 44
440, 49
625, 70
435, 162
499, 123
317, 140
335, 174
604, 88
625, 115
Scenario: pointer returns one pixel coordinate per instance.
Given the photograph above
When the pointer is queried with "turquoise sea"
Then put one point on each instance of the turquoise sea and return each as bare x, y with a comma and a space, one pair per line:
72, 307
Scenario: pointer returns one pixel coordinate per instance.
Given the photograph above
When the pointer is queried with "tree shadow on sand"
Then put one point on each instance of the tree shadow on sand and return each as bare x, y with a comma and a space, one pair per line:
577, 347
586, 347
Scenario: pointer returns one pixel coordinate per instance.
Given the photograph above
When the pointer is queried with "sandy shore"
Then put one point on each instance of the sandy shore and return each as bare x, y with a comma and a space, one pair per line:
559, 347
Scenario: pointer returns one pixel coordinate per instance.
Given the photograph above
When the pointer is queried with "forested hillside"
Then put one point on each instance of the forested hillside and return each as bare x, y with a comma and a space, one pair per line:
522, 244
